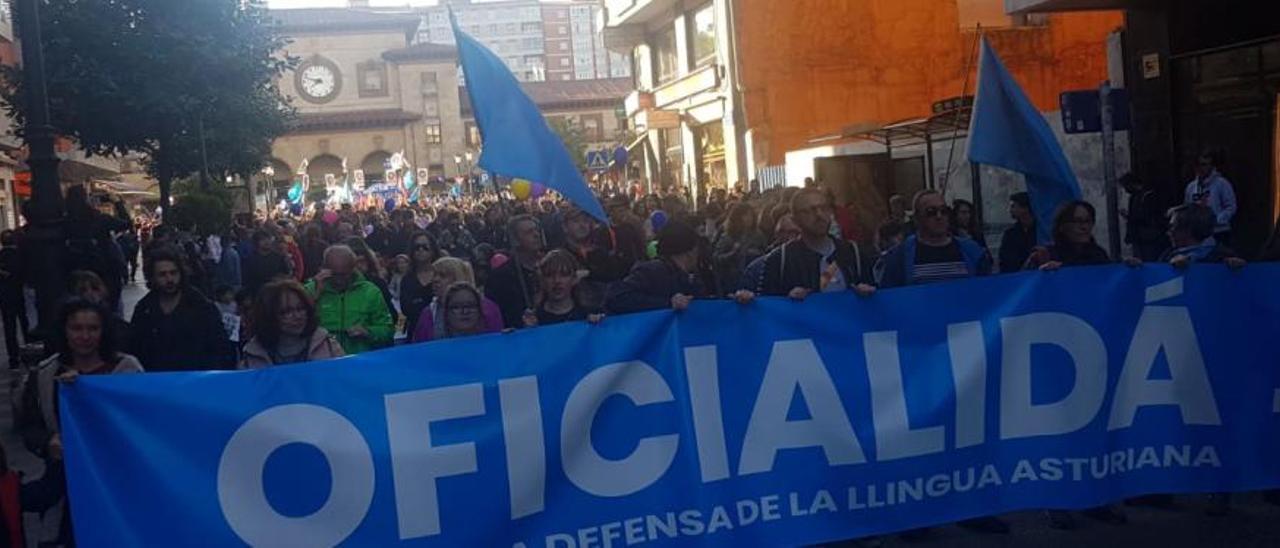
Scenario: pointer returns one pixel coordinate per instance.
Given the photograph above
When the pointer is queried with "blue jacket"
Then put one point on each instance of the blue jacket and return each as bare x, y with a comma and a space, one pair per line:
896, 265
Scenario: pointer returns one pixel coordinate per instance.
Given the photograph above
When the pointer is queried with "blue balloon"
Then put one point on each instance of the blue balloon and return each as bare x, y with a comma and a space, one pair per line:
389, 205
658, 219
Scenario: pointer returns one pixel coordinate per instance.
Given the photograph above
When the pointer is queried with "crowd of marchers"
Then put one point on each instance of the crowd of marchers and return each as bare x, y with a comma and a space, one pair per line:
286, 289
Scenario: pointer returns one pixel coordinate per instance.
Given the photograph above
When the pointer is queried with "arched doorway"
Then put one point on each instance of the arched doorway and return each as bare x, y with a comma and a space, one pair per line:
279, 176
375, 167
321, 166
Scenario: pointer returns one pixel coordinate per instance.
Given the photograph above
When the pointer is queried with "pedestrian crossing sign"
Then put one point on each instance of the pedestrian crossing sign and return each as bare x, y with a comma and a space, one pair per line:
598, 160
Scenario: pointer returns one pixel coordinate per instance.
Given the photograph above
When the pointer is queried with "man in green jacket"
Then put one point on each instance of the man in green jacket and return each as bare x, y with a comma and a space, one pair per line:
349, 306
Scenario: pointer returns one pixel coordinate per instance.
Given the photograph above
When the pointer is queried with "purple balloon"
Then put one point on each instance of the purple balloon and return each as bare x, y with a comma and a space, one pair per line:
537, 190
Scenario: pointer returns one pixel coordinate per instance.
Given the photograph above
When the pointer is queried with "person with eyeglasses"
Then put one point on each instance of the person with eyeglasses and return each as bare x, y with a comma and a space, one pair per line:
288, 330
462, 311
816, 261
1073, 242
415, 286
932, 254
433, 320
1212, 190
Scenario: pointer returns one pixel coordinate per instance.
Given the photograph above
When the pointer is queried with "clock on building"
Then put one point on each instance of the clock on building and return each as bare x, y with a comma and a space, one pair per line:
317, 80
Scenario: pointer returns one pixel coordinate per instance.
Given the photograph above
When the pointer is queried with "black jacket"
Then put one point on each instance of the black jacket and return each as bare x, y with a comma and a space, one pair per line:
192, 338
414, 297
650, 286
796, 265
1015, 247
506, 290
259, 270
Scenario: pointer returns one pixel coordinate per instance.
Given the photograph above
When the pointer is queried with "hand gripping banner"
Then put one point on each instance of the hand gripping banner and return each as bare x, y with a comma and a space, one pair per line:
770, 423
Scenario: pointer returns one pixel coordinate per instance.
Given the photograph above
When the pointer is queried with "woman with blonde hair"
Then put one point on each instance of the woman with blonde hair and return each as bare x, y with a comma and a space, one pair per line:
446, 272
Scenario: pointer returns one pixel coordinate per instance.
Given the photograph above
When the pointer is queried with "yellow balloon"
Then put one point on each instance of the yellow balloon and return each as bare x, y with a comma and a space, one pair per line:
521, 188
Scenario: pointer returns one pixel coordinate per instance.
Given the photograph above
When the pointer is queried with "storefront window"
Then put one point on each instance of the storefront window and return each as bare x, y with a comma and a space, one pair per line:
673, 156
665, 56
703, 32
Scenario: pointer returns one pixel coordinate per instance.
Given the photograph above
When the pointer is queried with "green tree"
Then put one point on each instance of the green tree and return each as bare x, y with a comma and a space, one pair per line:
574, 140
205, 211
153, 76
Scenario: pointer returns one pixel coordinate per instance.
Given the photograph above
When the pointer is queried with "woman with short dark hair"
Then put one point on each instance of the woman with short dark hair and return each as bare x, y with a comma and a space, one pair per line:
287, 329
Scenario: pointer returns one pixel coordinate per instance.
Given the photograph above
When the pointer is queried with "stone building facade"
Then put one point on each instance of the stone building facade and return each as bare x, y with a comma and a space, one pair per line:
364, 92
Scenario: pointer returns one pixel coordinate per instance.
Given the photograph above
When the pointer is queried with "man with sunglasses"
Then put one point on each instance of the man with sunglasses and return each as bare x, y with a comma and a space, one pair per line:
816, 261
932, 254
1212, 190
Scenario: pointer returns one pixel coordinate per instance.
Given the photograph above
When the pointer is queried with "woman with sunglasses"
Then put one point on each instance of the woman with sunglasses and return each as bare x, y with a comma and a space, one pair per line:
288, 330
415, 286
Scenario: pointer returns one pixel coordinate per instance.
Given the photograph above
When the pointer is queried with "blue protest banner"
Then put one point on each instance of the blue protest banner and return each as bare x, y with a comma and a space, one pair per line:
773, 423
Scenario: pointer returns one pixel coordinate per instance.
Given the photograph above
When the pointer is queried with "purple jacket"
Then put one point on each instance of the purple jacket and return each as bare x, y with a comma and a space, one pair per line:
426, 329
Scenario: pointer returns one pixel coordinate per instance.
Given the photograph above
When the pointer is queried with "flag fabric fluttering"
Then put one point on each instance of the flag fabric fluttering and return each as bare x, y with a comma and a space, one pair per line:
517, 140
1008, 131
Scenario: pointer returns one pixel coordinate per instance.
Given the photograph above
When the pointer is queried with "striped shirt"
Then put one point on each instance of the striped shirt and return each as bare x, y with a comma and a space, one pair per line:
939, 264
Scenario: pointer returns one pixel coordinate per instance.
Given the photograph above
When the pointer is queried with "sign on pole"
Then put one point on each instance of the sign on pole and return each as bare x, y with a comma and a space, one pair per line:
598, 160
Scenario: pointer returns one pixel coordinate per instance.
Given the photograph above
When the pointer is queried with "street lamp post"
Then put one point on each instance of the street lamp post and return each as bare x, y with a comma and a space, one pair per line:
44, 234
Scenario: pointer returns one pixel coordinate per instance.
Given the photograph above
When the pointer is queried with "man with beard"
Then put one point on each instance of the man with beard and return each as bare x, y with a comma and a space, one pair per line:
175, 328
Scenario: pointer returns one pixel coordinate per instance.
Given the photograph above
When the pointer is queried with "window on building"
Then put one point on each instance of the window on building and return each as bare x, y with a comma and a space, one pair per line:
666, 60
473, 135
433, 134
372, 78
563, 30
592, 126
703, 31
564, 61
427, 83
564, 46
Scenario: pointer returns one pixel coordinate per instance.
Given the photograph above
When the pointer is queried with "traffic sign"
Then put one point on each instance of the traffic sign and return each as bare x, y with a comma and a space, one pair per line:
1082, 111
598, 160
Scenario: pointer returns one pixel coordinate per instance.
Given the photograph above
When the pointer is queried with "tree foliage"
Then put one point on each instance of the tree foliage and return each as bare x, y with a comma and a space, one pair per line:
145, 75
574, 140
203, 211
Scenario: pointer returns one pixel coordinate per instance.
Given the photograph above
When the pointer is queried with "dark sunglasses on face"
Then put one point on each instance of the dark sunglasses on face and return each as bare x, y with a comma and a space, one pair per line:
422, 247
937, 211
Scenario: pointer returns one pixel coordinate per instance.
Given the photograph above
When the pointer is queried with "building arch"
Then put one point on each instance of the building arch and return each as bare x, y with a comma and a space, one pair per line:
375, 167
322, 165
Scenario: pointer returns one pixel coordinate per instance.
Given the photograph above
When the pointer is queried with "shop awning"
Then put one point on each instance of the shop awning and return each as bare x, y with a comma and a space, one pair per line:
950, 124
1047, 6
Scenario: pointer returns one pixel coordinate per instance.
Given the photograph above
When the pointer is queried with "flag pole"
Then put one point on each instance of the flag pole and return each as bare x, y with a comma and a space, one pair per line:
968, 72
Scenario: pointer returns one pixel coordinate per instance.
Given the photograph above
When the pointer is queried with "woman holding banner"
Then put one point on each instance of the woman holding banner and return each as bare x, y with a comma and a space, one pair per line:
433, 322
86, 344
1073, 245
